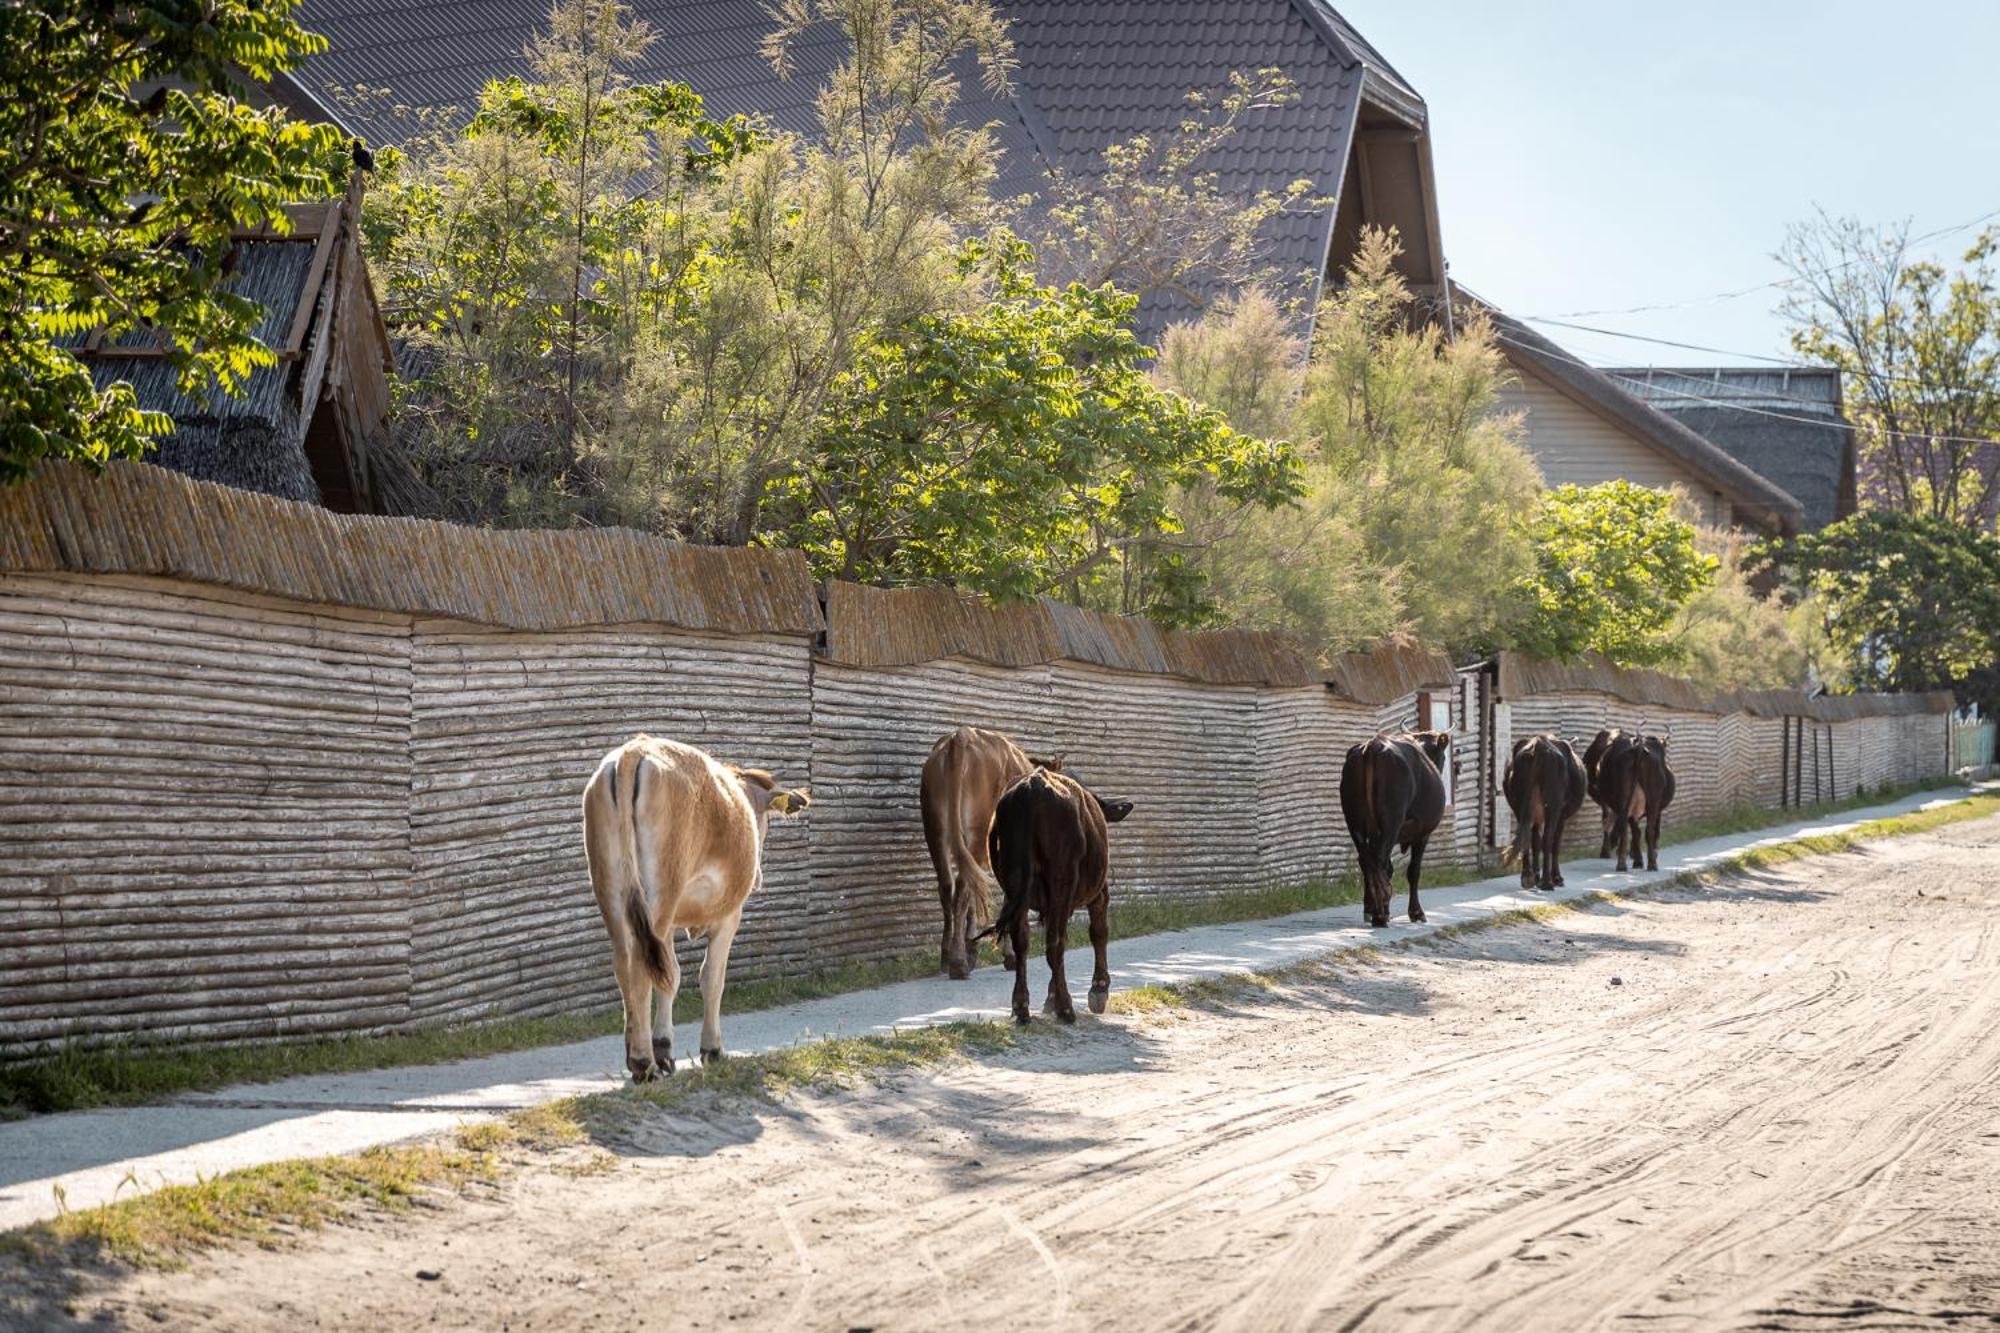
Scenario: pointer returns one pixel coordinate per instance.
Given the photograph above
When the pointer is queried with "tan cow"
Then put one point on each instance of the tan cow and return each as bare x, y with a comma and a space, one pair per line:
675, 840
962, 781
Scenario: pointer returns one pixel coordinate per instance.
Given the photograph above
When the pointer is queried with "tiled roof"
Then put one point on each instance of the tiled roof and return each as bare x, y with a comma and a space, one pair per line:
1784, 424
1091, 74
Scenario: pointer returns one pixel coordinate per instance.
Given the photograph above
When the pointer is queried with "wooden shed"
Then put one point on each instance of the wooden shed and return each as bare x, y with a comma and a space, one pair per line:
309, 427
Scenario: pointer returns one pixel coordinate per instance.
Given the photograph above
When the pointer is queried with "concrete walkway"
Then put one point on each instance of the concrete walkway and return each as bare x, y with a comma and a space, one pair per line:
89, 1157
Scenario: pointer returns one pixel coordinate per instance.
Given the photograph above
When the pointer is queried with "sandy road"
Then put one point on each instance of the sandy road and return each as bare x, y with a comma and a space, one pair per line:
1771, 1105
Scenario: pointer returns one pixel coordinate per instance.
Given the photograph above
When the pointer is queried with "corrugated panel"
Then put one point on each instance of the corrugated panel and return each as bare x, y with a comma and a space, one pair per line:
137, 519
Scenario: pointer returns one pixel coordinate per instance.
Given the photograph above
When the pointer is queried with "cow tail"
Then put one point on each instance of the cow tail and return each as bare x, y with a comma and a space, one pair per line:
652, 949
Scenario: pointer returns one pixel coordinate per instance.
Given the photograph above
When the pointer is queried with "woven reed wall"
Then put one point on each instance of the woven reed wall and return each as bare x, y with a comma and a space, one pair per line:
204, 813
268, 772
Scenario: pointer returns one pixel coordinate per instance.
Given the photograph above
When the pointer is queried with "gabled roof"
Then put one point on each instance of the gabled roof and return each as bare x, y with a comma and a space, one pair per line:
1090, 74
1784, 423
1753, 497
321, 321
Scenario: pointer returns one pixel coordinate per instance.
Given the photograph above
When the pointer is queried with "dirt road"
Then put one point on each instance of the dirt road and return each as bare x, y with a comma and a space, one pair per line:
1775, 1104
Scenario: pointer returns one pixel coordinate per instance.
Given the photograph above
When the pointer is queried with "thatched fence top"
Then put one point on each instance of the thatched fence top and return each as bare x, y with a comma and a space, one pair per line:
1522, 676
135, 519
887, 627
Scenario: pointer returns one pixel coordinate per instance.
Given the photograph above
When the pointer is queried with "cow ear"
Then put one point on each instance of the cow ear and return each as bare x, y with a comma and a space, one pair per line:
790, 802
1113, 810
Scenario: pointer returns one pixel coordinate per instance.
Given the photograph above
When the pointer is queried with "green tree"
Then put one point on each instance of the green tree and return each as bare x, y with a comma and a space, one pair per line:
1415, 486
125, 167
1909, 601
1614, 568
1731, 635
1020, 448
631, 312
1918, 348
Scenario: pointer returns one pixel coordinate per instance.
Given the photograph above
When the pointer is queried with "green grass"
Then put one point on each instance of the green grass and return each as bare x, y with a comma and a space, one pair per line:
270, 1204
76, 1075
1751, 818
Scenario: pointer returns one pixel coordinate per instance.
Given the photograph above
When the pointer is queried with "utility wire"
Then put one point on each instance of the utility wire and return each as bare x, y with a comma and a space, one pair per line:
1741, 292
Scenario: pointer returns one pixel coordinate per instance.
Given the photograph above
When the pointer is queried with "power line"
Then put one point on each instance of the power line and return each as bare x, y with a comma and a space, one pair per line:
1740, 292
1741, 407
1666, 342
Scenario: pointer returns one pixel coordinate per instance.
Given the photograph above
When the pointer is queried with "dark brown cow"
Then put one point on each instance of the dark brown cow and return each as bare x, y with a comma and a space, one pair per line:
1392, 792
962, 781
1050, 850
1630, 781
1545, 786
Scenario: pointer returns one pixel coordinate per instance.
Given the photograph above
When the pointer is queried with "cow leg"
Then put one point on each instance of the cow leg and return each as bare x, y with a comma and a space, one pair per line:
714, 973
1385, 881
635, 988
948, 908
663, 1018
1055, 939
1100, 935
1618, 823
1636, 834
1653, 815
1555, 853
957, 934
1019, 935
1416, 865
1610, 828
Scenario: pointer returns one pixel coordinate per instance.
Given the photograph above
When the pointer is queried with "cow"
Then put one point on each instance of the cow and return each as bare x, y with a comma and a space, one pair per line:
675, 840
1392, 792
1630, 781
1545, 786
1050, 850
962, 780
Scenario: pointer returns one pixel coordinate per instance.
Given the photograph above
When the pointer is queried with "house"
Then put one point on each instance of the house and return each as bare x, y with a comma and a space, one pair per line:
1091, 75
1586, 425
308, 427
1785, 423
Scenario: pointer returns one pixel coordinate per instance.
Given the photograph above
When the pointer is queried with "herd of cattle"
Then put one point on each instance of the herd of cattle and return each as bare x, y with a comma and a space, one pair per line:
675, 841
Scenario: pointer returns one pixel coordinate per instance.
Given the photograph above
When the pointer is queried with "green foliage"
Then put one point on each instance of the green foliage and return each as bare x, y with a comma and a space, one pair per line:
1020, 448
631, 312
1614, 567
1918, 349
1910, 602
1416, 487
125, 166
1730, 636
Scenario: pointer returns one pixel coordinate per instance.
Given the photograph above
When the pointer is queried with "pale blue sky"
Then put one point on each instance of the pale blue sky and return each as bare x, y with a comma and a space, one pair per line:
1609, 155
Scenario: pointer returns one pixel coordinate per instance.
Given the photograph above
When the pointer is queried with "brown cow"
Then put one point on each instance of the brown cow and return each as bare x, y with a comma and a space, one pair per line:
1392, 793
1051, 852
675, 839
962, 781
1631, 782
1545, 786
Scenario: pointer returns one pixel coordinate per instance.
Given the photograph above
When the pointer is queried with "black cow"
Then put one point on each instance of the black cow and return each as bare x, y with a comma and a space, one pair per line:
1050, 850
1630, 781
1392, 792
1545, 786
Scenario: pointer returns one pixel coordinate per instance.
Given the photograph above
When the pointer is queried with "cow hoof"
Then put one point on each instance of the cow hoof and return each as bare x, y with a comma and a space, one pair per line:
1099, 999
1417, 917
643, 1071
1652, 865
957, 971
711, 1057
1378, 921
1559, 881
1021, 1018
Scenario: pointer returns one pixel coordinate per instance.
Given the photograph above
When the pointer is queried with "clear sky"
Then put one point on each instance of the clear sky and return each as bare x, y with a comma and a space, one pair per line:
1602, 154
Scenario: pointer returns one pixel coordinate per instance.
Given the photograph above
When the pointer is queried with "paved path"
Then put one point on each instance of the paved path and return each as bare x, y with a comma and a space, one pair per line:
92, 1156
